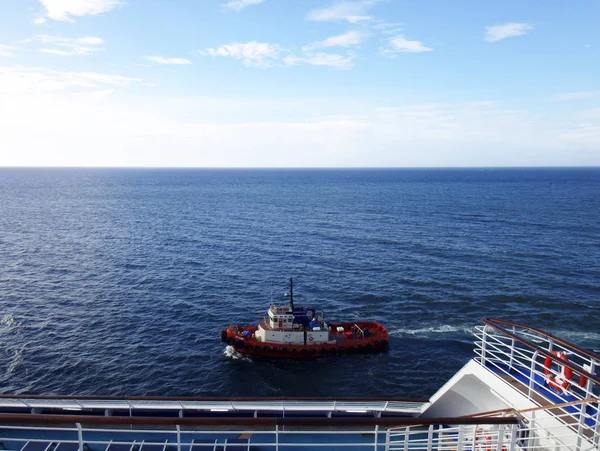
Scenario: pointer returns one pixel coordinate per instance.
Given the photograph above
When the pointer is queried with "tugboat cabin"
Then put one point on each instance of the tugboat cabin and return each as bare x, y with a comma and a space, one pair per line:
292, 325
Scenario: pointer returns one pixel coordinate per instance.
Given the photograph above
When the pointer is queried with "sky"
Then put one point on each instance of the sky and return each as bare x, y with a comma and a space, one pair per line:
299, 83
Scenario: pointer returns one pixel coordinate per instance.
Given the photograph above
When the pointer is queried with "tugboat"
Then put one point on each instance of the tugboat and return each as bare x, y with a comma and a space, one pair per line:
292, 332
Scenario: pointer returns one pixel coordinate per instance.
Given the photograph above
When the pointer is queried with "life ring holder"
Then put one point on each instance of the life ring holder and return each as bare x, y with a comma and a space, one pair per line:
567, 373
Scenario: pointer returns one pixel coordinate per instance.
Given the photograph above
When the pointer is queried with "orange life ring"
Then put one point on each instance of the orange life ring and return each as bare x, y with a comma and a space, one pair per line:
310, 338
566, 372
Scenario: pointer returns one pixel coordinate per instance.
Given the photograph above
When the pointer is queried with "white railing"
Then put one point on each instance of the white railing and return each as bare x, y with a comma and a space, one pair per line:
541, 431
570, 416
476, 437
185, 438
434, 437
327, 406
535, 434
182, 439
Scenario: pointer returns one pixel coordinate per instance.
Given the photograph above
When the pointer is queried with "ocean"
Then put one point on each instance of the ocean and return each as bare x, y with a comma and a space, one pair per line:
119, 281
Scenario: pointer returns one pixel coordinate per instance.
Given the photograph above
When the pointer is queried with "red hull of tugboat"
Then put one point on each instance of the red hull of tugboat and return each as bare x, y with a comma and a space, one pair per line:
377, 341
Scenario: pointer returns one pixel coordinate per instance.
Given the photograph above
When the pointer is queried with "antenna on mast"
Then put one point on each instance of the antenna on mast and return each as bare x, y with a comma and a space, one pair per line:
292, 293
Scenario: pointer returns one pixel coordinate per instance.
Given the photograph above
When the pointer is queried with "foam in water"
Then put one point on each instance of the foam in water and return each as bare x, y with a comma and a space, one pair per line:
8, 320
440, 329
233, 354
577, 336
17, 359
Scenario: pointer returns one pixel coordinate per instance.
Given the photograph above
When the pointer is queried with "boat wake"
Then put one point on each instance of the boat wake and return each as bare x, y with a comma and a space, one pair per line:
233, 354
16, 360
442, 329
8, 320
575, 335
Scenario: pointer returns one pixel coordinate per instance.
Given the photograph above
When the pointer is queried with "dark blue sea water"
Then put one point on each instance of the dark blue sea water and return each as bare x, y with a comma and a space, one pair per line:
118, 281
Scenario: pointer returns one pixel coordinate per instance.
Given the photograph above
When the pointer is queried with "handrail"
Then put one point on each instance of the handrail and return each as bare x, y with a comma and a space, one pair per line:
491, 321
191, 398
531, 409
278, 421
542, 351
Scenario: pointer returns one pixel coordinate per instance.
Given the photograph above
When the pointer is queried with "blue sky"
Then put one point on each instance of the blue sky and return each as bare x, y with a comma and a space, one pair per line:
299, 83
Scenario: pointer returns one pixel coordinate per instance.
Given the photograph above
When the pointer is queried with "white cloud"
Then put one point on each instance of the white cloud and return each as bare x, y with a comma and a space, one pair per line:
349, 39
84, 46
331, 59
56, 52
508, 30
399, 44
163, 60
6, 50
260, 54
322, 59
64, 10
577, 95
292, 60
48, 117
252, 54
340, 11
238, 5
39, 20
20, 79
388, 27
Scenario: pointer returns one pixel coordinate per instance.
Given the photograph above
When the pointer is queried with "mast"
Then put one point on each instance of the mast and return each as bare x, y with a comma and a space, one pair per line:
292, 293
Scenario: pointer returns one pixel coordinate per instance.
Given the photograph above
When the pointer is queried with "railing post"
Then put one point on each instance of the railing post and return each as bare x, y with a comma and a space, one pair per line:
376, 432
483, 343
533, 433
590, 383
387, 440
475, 427
80, 436
430, 438
276, 437
532, 374
461, 438
580, 425
514, 432
512, 350
597, 433
406, 437
500, 440
178, 438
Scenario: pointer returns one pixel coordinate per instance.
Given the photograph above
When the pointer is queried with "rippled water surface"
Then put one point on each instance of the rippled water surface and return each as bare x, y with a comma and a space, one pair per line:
118, 282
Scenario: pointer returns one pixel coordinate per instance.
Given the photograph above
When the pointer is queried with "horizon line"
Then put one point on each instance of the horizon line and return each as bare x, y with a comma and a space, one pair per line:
300, 167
